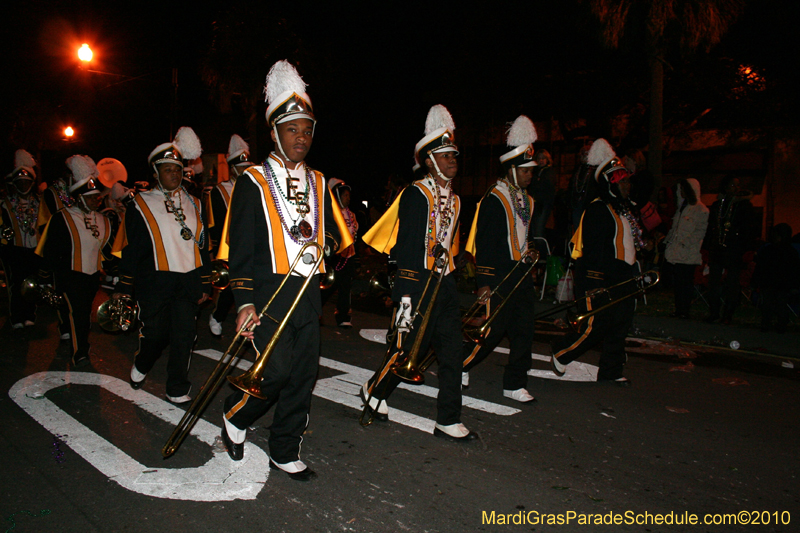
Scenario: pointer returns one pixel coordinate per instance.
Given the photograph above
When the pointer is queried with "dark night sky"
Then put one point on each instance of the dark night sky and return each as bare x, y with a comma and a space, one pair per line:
373, 72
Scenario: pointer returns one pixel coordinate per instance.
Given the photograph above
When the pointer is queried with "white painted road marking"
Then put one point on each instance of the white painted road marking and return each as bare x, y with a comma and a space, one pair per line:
220, 479
576, 371
343, 389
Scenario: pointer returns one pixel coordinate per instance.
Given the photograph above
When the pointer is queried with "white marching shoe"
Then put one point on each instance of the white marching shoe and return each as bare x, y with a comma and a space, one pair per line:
520, 395
214, 326
455, 432
465, 380
558, 368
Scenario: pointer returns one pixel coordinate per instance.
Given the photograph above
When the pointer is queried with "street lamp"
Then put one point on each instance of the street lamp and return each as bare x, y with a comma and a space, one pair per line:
85, 53
69, 132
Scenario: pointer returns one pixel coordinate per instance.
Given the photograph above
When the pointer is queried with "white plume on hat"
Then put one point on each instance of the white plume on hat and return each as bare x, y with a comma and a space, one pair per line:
23, 159
236, 147
188, 143
521, 133
82, 168
439, 117
281, 78
600, 153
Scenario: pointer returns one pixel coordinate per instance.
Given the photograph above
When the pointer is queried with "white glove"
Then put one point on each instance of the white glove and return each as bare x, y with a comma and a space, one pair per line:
403, 317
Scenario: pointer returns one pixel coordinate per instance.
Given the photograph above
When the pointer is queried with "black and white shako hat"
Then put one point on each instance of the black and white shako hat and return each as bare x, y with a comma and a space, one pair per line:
520, 138
439, 136
608, 166
23, 167
84, 176
185, 146
238, 152
285, 94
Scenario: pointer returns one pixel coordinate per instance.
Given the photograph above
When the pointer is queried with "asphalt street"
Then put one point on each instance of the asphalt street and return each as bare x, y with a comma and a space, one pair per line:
704, 433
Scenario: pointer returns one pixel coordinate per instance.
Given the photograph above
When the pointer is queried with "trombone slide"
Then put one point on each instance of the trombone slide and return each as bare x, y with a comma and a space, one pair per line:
250, 381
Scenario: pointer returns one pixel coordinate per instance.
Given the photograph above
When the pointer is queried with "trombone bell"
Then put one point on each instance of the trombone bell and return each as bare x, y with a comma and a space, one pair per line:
249, 382
116, 315
327, 280
220, 277
409, 373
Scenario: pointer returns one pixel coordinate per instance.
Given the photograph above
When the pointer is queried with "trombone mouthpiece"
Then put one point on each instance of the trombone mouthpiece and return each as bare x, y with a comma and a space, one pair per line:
308, 258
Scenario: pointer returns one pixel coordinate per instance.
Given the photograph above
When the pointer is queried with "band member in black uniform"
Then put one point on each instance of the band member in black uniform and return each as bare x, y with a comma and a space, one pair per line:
20, 235
423, 219
605, 246
74, 244
219, 199
343, 264
498, 240
275, 209
165, 267
56, 197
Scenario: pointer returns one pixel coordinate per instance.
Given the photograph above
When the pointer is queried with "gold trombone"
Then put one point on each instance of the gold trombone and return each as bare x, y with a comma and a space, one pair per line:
644, 282
408, 368
250, 381
478, 333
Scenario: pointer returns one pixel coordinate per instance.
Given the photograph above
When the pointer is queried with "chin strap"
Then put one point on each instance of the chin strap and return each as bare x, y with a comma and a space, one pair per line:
438, 172
278, 142
20, 192
162, 189
158, 180
514, 173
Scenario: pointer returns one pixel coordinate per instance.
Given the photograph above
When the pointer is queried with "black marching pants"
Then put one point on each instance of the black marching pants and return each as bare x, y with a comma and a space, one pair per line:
444, 335
288, 381
609, 327
19, 263
79, 291
516, 320
169, 321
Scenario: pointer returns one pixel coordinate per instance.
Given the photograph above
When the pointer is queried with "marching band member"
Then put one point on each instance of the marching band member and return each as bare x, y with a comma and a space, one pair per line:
20, 235
498, 241
275, 209
164, 265
115, 197
219, 199
605, 242
422, 219
56, 197
74, 244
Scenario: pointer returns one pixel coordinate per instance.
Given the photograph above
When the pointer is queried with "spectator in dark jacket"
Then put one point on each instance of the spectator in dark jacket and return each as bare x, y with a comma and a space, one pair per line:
729, 236
777, 276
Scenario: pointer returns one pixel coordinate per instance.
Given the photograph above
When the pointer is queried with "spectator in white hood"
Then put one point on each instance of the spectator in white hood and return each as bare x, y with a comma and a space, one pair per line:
684, 241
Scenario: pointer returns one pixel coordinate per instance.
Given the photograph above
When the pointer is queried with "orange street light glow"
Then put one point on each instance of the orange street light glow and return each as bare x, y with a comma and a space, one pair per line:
68, 131
85, 53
